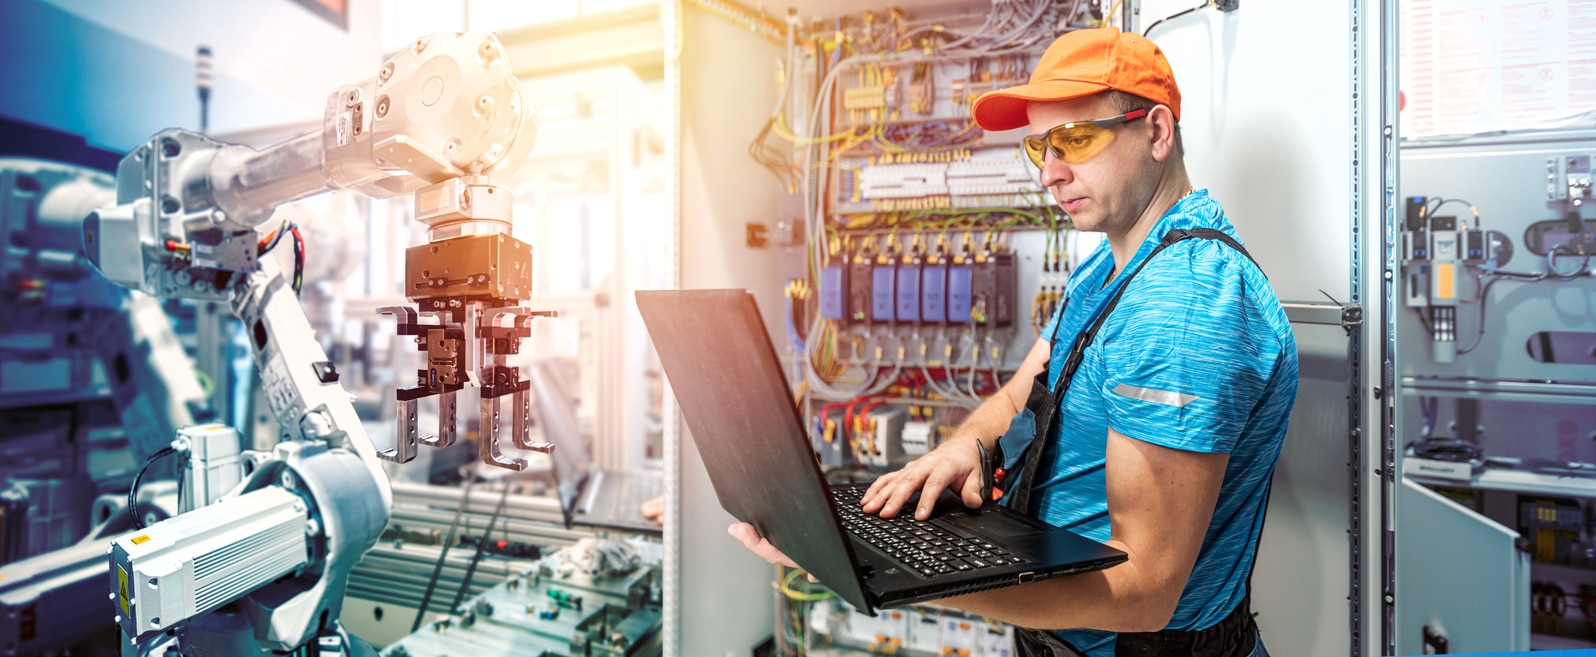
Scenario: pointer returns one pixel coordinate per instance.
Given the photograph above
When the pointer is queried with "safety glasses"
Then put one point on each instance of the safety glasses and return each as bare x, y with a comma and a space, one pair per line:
1077, 141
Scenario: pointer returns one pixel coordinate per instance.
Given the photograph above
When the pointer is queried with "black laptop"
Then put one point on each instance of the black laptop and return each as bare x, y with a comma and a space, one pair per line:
735, 400
589, 497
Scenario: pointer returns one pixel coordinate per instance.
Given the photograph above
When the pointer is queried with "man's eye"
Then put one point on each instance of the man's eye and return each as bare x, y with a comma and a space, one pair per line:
1078, 142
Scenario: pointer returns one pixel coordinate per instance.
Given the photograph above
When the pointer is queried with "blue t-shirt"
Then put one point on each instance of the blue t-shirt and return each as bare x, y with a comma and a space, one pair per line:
1198, 356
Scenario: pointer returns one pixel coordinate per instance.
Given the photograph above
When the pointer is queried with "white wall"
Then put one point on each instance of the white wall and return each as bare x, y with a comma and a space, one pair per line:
728, 86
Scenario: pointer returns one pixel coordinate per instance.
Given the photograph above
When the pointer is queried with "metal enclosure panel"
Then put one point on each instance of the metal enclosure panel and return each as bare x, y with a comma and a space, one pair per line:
1278, 139
1506, 180
1459, 572
1301, 576
1270, 135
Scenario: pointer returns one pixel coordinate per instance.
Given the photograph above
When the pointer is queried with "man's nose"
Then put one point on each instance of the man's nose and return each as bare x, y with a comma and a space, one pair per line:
1055, 170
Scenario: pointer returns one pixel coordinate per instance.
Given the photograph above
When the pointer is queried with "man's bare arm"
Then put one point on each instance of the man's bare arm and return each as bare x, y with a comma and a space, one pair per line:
1160, 503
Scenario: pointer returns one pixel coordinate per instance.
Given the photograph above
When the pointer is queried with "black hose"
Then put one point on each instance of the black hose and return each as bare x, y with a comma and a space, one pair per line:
133, 492
471, 571
1160, 21
426, 598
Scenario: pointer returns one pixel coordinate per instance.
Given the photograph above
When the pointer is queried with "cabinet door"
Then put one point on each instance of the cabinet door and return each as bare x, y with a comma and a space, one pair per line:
1460, 574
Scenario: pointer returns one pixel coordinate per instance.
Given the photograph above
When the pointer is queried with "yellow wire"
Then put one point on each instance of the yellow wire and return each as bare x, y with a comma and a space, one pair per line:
1110, 15
794, 594
780, 129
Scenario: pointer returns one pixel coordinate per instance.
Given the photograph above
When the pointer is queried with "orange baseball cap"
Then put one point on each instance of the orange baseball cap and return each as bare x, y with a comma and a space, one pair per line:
1082, 63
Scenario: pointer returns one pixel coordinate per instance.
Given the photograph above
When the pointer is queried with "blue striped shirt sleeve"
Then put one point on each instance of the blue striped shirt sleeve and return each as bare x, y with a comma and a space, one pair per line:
1187, 372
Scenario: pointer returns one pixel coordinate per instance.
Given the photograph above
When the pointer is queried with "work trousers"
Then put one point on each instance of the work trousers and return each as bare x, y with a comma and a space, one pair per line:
1235, 636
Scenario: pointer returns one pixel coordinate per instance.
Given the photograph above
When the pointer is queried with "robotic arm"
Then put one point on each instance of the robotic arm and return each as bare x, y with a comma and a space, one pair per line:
439, 119
437, 122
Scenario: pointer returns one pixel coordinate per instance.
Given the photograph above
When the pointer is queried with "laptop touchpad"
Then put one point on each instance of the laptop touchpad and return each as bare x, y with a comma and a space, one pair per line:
990, 524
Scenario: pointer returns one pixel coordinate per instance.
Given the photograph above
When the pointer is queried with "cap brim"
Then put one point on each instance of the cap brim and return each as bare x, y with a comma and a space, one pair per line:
1004, 109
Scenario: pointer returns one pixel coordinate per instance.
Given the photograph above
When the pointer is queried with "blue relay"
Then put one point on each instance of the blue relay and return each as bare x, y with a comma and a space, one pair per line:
909, 293
960, 278
834, 292
934, 293
881, 293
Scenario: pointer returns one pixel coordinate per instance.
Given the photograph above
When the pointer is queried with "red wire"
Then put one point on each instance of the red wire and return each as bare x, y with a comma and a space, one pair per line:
853, 410
828, 407
847, 415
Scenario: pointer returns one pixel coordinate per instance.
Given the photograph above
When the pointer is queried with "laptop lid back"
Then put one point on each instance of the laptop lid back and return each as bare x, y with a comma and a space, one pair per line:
734, 398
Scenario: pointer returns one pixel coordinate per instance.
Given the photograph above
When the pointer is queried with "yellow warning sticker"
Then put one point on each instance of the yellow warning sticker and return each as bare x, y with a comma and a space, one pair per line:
141, 538
121, 587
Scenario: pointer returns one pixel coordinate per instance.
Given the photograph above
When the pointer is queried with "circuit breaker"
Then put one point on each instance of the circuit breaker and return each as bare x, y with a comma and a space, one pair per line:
884, 445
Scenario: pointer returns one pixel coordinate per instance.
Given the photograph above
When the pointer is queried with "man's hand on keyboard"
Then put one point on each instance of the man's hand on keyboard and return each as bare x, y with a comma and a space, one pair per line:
954, 465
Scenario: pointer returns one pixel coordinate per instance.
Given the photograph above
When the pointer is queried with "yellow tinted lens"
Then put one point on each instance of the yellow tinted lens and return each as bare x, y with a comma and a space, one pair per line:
1034, 148
1079, 142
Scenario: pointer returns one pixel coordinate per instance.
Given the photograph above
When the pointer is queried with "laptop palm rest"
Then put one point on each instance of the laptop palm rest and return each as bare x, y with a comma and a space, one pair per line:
992, 523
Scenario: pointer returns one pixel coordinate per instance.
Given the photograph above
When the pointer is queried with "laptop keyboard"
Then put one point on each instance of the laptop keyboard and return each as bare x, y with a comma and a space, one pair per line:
625, 498
923, 548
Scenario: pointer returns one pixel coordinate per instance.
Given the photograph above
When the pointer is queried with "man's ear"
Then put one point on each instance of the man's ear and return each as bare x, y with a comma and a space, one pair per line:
1162, 119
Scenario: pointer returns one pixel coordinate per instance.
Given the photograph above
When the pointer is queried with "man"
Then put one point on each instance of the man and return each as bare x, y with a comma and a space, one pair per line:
1167, 434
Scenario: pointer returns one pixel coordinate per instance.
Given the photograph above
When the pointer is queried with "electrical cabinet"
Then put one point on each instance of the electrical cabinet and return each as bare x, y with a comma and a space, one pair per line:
1496, 415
